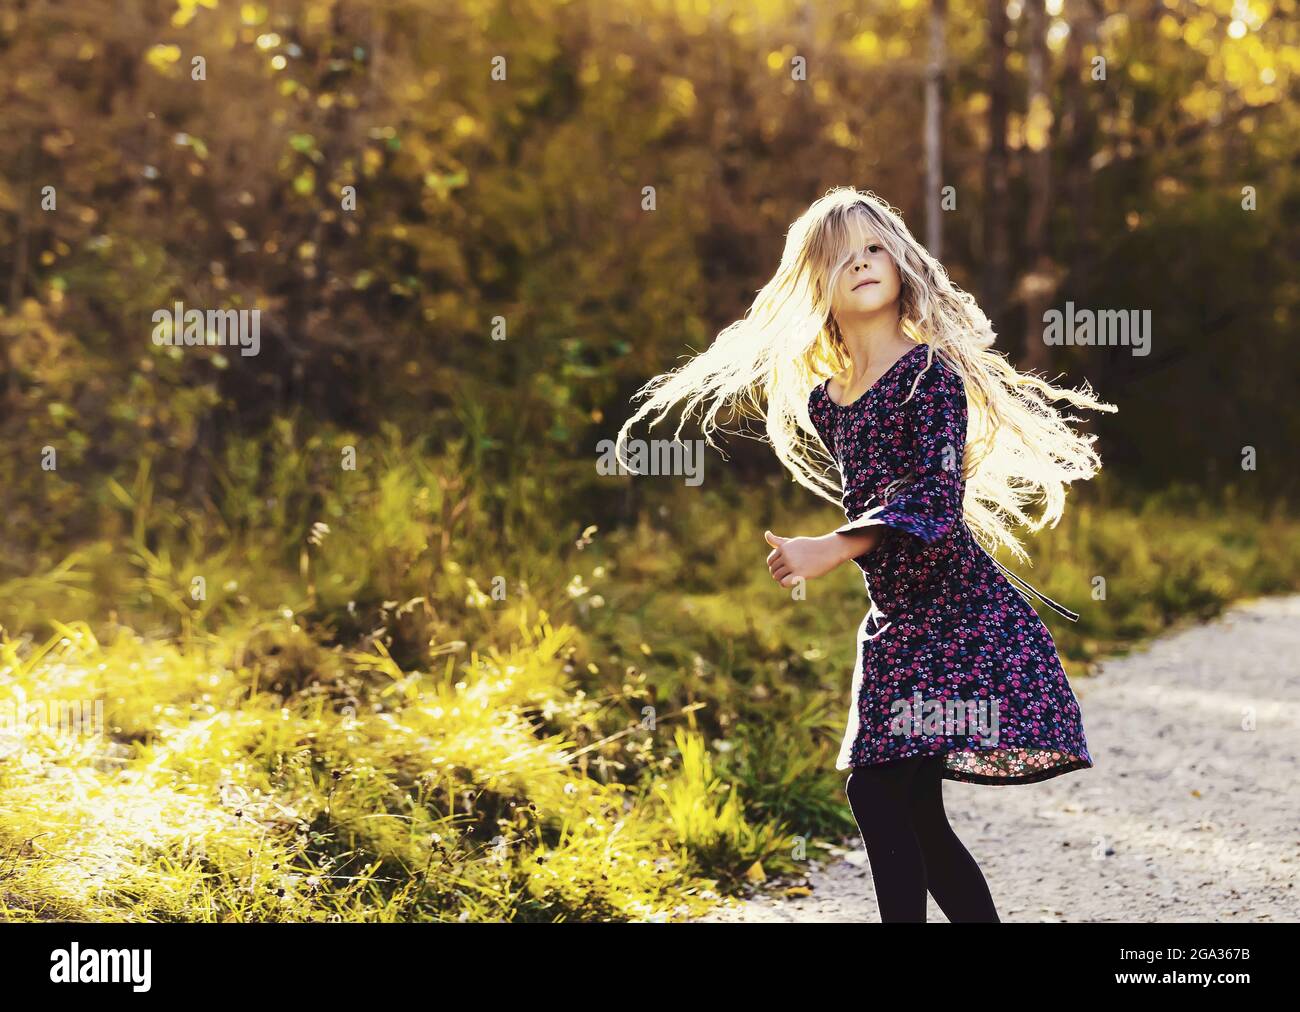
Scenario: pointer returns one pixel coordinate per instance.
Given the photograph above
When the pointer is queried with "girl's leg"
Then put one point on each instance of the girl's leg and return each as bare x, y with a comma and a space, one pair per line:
880, 797
952, 876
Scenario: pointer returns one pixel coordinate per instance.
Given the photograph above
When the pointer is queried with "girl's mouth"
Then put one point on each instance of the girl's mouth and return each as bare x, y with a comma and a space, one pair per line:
861, 284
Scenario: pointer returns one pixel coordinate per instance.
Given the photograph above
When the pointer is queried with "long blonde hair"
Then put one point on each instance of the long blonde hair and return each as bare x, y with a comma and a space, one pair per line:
1020, 449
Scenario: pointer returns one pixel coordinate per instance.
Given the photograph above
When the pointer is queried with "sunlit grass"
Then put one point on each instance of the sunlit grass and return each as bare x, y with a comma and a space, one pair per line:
377, 710
412, 796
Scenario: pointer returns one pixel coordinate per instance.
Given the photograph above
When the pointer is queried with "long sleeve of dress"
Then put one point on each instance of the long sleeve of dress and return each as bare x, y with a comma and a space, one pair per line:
927, 501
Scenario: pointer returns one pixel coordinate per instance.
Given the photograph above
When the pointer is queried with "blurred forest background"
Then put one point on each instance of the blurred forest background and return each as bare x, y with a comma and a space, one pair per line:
472, 678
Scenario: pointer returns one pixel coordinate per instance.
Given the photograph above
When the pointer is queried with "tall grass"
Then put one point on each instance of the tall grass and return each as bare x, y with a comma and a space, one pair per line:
343, 695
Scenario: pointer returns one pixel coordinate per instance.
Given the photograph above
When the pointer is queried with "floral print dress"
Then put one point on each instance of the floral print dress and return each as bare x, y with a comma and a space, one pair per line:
952, 660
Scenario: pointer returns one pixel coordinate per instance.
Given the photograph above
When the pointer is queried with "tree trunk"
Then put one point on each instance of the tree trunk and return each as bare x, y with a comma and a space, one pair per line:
18, 277
1078, 139
996, 254
934, 129
1039, 285
1077, 130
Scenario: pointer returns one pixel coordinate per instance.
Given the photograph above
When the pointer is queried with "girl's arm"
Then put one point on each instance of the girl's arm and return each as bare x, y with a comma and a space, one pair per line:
807, 558
930, 505
927, 508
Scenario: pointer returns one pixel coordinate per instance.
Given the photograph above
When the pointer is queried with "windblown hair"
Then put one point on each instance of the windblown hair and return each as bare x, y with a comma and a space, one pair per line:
1020, 450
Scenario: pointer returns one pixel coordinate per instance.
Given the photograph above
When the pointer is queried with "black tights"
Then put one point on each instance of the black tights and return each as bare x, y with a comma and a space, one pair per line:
899, 810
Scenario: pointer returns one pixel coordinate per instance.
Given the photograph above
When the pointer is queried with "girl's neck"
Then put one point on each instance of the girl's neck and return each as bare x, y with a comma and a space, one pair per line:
872, 340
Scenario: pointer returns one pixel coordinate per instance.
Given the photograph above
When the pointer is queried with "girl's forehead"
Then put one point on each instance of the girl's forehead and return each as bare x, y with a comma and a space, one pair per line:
858, 233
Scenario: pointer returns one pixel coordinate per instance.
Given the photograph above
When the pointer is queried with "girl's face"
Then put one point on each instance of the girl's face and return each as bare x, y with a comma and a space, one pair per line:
870, 281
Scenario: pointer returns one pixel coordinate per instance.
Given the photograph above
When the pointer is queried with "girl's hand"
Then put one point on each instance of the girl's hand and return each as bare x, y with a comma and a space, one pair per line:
807, 558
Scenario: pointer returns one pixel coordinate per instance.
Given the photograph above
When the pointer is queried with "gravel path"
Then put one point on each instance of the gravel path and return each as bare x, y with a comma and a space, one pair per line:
1187, 816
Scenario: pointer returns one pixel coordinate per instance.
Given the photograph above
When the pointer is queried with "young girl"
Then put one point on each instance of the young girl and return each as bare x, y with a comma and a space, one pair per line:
862, 353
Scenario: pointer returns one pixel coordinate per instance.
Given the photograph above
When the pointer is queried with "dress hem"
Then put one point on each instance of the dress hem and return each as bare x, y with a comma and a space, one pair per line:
1037, 776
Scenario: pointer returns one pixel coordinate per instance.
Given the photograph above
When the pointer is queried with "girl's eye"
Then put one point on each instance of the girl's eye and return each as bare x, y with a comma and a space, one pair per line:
873, 248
